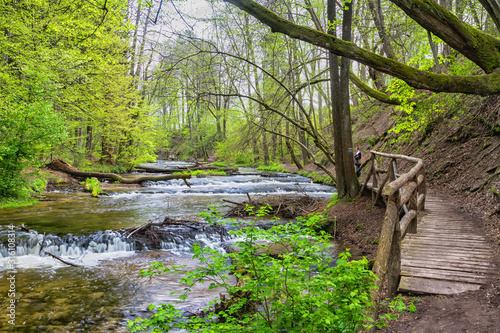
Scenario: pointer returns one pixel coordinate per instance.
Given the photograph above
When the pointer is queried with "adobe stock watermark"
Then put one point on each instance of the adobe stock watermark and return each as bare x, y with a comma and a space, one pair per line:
11, 275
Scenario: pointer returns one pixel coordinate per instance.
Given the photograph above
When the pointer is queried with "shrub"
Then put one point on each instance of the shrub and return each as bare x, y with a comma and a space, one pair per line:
296, 291
92, 185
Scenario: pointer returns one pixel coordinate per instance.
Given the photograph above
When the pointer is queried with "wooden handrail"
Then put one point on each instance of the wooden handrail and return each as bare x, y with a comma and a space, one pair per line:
404, 196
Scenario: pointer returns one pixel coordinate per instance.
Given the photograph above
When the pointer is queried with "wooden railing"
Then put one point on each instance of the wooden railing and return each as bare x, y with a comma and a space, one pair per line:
404, 196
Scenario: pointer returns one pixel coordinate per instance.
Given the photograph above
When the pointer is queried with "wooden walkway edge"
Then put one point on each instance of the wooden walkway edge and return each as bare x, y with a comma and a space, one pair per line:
447, 255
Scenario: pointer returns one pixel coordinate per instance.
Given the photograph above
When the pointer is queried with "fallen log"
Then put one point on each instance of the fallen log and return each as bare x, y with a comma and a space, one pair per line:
60, 165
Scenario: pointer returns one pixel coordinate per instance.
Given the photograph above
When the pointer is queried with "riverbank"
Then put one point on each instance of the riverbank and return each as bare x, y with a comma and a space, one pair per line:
462, 159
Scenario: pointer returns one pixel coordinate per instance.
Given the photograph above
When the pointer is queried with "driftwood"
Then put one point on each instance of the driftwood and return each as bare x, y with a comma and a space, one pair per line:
60, 165
152, 232
285, 206
62, 260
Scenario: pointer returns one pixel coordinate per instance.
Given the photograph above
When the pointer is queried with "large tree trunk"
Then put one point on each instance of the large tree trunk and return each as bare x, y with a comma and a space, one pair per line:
347, 183
346, 129
335, 98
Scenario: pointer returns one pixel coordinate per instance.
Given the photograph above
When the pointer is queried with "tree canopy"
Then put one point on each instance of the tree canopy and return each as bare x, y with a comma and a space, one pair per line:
479, 47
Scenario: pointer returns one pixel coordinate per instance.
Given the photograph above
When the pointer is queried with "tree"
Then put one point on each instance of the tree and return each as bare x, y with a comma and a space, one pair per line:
476, 45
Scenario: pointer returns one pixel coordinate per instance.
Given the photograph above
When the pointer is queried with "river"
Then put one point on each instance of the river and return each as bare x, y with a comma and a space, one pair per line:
105, 290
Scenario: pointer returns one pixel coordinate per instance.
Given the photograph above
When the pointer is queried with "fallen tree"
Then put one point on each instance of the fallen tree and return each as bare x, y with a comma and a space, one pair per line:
60, 165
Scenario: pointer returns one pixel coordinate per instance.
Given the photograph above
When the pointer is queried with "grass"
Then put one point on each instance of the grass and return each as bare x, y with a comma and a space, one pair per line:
219, 164
273, 167
6, 203
103, 168
317, 178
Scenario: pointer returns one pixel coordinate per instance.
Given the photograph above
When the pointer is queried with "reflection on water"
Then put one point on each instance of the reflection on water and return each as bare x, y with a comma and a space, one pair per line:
107, 290
94, 299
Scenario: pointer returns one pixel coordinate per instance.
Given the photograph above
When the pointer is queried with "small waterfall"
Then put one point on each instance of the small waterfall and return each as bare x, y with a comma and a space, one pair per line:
178, 242
30, 243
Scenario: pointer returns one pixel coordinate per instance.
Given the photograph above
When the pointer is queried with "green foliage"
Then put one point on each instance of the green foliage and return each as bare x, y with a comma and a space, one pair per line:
28, 125
92, 185
220, 164
202, 173
98, 167
316, 177
274, 168
318, 221
334, 199
393, 308
296, 291
64, 79
418, 117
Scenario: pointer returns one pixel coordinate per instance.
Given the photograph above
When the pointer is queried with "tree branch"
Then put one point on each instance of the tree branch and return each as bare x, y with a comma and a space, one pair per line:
487, 84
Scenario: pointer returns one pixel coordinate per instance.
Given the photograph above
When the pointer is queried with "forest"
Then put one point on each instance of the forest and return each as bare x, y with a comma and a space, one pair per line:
113, 84
105, 87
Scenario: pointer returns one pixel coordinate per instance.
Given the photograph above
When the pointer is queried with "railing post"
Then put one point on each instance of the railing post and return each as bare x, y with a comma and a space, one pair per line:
394, 264
382, 260
412, 205
422, 188
394, 267
375, 179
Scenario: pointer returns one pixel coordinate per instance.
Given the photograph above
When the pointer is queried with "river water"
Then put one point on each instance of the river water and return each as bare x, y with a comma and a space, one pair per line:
105, 290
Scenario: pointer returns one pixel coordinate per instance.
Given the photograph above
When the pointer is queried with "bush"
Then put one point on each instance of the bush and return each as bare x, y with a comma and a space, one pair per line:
296, 291
92, 185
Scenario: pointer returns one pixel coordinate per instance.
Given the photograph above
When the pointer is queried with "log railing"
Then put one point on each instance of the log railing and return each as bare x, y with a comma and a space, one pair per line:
404, 196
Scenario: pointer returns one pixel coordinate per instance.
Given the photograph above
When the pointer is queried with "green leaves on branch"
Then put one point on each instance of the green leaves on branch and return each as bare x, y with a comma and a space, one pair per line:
92, 185
294, 290
29, 127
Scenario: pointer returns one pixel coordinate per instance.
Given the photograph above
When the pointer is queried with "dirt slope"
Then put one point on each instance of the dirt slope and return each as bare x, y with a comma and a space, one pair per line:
462, 158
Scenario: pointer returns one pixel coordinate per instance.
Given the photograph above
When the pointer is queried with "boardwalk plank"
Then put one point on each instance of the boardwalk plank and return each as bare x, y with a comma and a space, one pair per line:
451, 266
428, 286
447, 255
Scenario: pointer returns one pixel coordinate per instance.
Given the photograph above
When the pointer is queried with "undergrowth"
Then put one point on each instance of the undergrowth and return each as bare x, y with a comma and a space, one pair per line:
298, 290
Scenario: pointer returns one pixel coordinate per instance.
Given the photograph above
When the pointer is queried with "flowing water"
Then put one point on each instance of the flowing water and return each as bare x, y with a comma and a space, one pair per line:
105, 290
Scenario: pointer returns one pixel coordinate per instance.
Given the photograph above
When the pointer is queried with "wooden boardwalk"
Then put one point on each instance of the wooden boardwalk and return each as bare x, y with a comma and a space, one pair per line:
447, 255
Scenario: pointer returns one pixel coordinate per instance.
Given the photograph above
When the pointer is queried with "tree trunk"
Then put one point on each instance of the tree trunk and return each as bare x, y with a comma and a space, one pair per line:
347, 183
335, 98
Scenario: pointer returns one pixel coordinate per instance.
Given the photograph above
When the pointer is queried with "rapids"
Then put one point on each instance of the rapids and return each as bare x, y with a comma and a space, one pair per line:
105, 290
